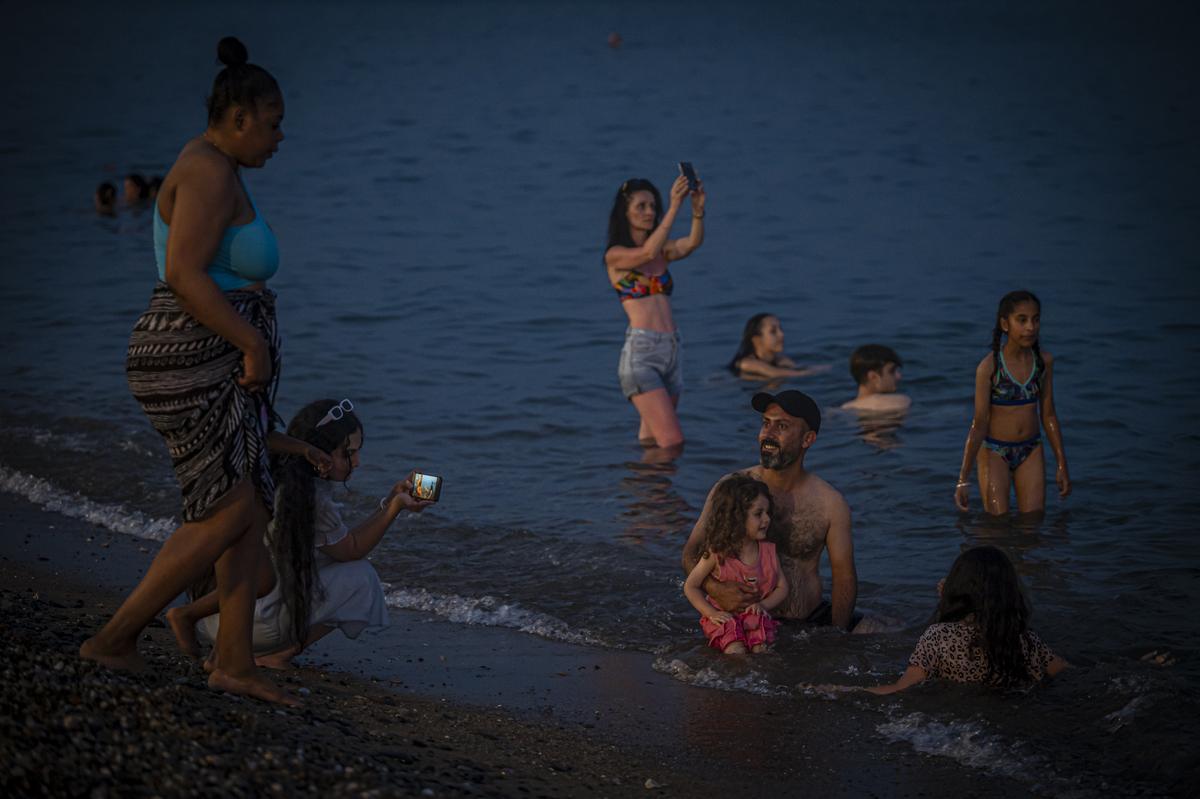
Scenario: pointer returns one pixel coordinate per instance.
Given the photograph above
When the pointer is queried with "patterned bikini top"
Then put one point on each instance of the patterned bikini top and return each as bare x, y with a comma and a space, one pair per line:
635, 285
1007, 391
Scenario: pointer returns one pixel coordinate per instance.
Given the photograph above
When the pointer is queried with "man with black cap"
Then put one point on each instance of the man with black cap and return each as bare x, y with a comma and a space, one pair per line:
809, 516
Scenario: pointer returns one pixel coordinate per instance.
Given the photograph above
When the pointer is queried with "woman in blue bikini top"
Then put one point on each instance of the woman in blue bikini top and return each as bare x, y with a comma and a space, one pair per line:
1007, 413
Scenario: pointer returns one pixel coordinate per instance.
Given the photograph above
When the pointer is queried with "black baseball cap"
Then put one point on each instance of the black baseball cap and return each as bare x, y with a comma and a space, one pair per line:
794, 403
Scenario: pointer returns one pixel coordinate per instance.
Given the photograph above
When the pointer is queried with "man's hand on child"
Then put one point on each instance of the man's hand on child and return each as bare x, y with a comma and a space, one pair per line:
720, 618
758, 610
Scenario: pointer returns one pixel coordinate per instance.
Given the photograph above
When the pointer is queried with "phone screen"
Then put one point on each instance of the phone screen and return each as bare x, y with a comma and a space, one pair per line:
685, 169
426, 486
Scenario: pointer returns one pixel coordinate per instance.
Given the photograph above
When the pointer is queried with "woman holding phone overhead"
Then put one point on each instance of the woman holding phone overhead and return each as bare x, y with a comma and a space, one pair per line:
637, 257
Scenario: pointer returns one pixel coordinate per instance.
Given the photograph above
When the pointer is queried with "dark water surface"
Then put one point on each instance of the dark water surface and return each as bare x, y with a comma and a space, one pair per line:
875, 174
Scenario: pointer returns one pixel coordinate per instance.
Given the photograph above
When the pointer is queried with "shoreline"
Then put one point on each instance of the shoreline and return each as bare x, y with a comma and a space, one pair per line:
423, 705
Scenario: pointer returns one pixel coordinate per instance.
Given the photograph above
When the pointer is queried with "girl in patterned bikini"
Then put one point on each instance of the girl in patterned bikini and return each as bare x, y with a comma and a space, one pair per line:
735, 549
982, 631
313, 574
1007, 408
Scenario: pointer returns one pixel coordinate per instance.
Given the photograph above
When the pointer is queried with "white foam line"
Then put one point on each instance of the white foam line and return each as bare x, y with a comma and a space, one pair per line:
968, 743
113, 517
490, 612
707, 677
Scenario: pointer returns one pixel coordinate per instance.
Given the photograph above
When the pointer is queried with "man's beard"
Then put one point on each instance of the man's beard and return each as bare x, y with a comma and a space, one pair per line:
776, 459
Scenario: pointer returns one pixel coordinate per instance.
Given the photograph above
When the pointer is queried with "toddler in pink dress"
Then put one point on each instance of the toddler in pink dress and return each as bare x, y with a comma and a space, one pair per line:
735, 549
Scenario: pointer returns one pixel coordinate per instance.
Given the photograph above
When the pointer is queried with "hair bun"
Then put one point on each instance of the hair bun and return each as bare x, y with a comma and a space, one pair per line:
231, 52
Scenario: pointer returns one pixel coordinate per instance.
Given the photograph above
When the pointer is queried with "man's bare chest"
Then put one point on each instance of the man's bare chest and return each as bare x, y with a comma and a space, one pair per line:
799, 531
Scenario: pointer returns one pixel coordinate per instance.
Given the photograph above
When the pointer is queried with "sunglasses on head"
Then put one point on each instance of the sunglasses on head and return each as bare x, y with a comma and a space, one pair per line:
337, 412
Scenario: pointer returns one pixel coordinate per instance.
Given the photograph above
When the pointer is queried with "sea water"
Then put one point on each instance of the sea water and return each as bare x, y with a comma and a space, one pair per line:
875, 174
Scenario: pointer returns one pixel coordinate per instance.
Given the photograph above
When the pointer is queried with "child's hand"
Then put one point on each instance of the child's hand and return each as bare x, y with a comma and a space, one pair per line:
1064, 481
758, 610
320, 461
401, 498
720, 618
961, 492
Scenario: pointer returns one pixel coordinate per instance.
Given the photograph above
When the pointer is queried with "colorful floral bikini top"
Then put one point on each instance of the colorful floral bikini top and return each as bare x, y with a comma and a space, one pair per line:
1007, 391
635, 285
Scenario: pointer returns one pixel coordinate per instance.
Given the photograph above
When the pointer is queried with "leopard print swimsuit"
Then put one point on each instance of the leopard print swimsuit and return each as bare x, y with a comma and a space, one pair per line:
947, 650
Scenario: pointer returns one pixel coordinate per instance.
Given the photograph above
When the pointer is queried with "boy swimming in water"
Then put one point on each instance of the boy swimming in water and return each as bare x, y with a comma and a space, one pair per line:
876, 369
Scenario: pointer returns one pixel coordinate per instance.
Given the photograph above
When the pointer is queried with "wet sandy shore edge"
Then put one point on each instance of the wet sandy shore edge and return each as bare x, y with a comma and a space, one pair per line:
425, 709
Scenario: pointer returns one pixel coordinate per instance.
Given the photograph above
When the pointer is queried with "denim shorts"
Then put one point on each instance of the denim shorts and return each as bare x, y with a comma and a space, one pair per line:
649, 360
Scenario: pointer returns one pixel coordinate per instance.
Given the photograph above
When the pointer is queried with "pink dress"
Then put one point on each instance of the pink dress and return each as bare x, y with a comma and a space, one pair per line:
747, 627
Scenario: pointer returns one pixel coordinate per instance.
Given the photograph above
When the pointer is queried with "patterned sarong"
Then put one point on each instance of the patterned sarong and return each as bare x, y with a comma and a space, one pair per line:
185, 378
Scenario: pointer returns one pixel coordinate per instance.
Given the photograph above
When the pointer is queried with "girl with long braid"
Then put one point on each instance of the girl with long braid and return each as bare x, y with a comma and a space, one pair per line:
1013, 386
316, 577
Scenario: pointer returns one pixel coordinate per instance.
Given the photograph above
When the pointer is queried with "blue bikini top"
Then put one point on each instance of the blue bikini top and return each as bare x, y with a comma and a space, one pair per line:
1007, 391
247, 254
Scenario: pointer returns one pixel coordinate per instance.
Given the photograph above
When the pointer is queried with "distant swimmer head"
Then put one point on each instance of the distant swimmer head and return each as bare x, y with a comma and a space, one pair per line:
245, 108
877, 367
637, 205
762, 337
136, 188
105, 198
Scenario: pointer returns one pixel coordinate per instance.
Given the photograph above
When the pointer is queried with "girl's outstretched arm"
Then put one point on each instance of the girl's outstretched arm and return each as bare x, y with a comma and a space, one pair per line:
1053, 432
367, 534
693, 589
978, 431
911, 676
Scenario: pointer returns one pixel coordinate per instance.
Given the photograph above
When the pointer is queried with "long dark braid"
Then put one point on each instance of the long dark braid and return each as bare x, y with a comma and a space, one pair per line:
982, 585
293, 530
1008, 304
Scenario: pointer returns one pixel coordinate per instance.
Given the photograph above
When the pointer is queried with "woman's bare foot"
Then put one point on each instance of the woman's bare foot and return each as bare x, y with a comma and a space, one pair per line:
280, 660
185, 632
252, 685
120, 659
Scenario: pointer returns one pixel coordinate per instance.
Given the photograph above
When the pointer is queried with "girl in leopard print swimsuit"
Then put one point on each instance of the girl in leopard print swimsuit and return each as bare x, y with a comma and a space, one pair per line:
982, 632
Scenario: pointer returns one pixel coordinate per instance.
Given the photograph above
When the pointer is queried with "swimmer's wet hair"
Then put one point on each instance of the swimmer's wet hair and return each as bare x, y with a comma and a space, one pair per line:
871, 358
240, 83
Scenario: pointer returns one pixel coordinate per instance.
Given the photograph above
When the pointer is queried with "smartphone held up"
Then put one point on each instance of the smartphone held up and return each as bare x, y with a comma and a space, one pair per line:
689, 173
426, 487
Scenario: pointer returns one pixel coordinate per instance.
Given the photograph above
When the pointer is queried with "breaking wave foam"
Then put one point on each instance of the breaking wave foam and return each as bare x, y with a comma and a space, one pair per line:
488, 611
966, 742
117, 518
707, 677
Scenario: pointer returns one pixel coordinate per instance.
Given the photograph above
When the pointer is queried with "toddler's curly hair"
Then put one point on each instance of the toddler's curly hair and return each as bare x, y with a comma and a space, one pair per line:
731, 503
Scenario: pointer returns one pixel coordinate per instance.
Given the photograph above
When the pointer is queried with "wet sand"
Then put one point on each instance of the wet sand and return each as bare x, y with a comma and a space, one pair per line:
426, 708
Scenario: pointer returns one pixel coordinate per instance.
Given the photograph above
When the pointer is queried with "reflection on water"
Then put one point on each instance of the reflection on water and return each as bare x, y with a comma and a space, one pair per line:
880, 430
653, 508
